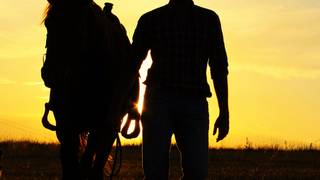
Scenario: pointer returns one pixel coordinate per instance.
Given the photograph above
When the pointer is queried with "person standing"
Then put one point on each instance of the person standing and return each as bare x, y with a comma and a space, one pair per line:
182, 38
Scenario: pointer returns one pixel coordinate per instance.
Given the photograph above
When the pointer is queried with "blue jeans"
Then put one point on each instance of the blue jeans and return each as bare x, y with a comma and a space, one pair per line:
187, 117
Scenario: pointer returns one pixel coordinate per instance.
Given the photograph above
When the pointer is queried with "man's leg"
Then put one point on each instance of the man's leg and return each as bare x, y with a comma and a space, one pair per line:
191, 132
156, 139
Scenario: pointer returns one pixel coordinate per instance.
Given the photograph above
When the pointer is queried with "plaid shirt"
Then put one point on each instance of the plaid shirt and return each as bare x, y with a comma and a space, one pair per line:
183, 39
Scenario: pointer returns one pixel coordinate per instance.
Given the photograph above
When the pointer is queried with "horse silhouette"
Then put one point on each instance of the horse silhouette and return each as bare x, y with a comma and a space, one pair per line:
87, 54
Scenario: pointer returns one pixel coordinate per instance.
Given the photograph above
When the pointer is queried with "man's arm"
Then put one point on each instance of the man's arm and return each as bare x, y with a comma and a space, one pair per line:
219, 71
222, 122
138, 53
140, 43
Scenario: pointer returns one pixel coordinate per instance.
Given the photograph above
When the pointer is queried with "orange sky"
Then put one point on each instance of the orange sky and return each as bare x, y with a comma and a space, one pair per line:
273, 49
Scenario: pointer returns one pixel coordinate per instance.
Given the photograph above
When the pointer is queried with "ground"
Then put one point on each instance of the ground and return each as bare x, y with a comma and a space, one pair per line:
29, 160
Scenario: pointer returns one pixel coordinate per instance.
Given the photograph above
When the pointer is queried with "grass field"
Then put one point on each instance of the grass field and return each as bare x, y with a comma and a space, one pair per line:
29, 160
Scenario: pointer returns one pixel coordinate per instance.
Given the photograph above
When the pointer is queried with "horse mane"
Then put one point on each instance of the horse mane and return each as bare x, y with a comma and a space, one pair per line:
69, 4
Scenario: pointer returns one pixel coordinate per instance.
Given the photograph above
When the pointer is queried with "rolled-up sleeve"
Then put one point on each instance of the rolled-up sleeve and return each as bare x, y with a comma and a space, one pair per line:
140, 43
218, 60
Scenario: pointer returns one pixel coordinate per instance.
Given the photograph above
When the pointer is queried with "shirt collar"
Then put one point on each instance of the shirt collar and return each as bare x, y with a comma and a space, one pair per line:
181, 3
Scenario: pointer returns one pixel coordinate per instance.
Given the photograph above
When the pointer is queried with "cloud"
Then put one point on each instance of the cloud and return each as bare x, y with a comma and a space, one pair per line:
43, 97
33, 83
279, 72
4, 81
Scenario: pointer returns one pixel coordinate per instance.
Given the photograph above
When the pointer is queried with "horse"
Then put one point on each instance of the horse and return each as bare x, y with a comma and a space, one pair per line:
87, 50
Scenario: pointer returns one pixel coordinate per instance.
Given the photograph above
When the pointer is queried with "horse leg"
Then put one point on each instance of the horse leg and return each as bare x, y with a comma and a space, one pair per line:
105, 140
69, 150
86, 161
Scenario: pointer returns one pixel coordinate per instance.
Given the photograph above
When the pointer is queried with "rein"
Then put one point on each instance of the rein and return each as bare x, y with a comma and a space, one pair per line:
45, 122
118, 149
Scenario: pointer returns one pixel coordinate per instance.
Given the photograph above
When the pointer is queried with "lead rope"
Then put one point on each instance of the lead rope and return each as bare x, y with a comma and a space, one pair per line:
125, 134
45, 122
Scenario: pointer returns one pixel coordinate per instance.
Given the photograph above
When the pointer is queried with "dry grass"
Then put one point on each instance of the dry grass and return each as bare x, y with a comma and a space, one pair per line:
31, 160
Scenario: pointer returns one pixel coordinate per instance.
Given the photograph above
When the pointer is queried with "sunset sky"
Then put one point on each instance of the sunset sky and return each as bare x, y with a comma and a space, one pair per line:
274, 55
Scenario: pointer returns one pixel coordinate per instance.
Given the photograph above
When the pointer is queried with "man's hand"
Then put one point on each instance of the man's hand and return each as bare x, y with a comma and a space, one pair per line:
222, 123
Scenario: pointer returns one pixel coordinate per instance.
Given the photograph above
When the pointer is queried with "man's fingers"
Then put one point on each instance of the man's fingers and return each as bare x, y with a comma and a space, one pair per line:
223, 132
220, 137
215, 130
222, 126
